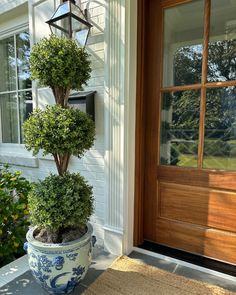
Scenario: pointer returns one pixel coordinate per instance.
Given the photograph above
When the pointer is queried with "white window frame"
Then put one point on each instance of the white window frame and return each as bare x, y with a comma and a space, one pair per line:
15, 153
4, 35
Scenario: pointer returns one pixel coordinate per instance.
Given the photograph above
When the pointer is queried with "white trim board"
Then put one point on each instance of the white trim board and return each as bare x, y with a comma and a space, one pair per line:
8, 5
186, 264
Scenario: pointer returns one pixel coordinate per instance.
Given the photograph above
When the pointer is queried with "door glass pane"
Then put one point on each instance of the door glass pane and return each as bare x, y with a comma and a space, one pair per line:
23, 52
8, 65
222, 45
25, 108
183, 39
179, 128
9, 118
220, 129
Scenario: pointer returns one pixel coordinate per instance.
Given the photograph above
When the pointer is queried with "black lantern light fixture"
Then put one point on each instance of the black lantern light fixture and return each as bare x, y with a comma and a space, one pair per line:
71, 21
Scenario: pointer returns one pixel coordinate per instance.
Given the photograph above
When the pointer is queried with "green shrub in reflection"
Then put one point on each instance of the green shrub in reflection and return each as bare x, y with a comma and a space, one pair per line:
212, 147
216, 154
174, 157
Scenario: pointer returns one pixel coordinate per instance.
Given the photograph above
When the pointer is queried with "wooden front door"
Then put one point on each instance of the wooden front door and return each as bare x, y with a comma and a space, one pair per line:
189, 82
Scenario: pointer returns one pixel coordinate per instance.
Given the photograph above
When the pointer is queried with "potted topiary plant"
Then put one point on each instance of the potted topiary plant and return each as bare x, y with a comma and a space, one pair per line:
59, 245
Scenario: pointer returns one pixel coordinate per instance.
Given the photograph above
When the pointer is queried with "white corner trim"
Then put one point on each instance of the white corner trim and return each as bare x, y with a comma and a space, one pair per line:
130, 122
113, 230
113, 240
120, 97
114, 112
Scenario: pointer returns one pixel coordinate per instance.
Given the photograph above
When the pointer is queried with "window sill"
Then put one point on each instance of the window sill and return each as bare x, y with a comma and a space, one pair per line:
16, 155
18, 160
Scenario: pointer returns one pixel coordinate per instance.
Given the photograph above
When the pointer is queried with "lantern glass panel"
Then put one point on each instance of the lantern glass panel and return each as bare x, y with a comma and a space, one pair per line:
63, 25
75, 10
62, 10
81, 36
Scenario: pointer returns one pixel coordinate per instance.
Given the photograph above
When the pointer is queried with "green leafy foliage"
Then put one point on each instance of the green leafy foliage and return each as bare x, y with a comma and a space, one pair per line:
59, 130
59, 202
14, 190
59, 61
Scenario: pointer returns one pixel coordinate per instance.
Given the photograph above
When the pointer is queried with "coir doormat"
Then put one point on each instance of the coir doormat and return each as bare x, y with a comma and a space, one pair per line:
129, 277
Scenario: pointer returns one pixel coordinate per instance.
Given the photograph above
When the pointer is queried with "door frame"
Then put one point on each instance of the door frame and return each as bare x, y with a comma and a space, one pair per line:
140, 126
149, 19
145, 73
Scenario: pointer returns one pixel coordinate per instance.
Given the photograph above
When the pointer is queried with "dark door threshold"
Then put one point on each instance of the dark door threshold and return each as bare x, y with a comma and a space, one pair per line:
191, 258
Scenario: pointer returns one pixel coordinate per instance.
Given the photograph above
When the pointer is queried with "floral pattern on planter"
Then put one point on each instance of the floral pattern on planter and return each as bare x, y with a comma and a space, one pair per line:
72, 256
58, 268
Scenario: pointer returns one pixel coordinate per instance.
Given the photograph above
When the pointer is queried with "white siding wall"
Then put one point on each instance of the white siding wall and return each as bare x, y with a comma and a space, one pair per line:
7, 5
91, 166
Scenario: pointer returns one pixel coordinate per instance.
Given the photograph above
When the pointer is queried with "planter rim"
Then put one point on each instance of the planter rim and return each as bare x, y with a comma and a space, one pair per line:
30, 238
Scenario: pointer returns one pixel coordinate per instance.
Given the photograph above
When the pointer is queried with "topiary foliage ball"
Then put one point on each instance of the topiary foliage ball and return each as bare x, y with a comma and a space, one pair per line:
60, 202
58, 130
57, 61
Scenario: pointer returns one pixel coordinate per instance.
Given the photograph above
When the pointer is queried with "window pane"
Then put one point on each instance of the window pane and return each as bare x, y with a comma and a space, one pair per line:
8, 65
26, 107
9, 118
179, 128
220, 129
222, 45
183, 39
23, 53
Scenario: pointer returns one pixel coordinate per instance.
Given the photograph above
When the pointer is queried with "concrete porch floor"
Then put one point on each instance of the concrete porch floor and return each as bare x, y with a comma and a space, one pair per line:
24, 284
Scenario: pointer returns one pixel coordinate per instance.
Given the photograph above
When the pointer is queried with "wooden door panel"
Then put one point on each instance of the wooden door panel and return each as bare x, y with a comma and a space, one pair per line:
186, 207
198, 205
200, 240
201, 178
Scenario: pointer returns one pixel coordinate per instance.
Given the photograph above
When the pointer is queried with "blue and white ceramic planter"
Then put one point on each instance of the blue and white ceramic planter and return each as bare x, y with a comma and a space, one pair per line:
58, 268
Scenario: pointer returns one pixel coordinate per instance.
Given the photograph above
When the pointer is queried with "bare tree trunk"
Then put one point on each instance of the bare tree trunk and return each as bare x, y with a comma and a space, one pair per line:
62, 162
61, 95
66, 96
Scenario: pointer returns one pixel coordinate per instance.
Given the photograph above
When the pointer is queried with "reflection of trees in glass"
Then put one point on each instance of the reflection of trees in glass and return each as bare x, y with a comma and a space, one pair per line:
220, 102
10, 62
222, 61
23, 54
186, 106
25, 108
178, 137
14, 56
7, 57
220, 119
188, 65
220, 113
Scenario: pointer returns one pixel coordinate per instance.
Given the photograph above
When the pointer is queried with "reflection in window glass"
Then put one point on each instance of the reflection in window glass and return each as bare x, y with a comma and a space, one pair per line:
179, 128
183, 39
9, 118
220, 129
15, 104
23, 53
25, 108
8, 65
222, 45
